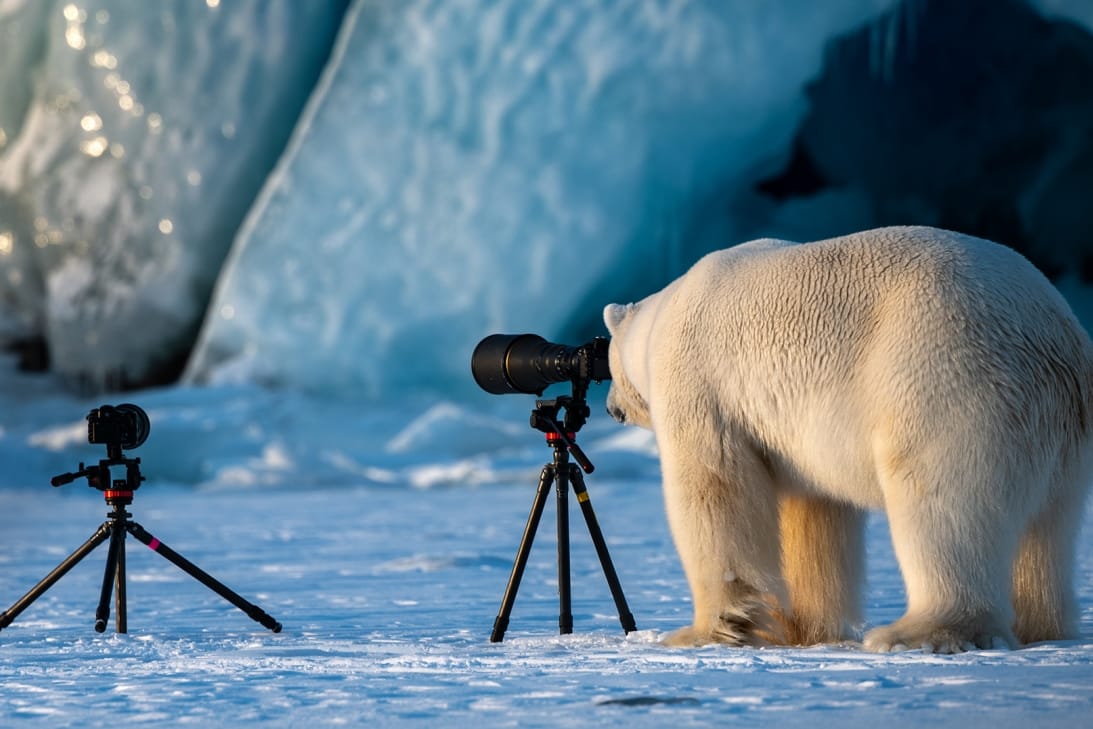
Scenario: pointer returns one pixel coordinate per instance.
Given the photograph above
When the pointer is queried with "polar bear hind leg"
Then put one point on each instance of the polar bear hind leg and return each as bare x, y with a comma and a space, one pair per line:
1043, 596
823, 565
955, 544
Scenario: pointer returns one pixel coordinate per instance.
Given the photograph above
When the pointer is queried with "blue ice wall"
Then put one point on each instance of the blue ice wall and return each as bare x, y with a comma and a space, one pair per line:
491, 166
134, 136
464, 167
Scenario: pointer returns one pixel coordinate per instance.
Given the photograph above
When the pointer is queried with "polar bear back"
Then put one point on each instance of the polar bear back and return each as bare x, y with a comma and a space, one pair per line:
844, 356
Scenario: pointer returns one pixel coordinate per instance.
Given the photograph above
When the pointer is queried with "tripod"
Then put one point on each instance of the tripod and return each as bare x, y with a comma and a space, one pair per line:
119, 494
563, 474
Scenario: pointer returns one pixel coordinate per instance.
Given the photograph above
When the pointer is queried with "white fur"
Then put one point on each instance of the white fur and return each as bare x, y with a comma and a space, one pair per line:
790, 387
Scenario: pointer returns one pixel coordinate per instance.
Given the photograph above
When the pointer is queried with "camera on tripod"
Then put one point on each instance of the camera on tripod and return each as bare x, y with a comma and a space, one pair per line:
117, 427
124, 425
527, 363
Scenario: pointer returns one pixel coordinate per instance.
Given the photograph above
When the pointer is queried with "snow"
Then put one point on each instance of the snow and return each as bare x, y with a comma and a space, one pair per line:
382, 537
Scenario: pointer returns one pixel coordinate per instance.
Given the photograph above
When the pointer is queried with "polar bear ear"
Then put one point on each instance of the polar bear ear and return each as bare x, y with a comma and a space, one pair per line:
615, 314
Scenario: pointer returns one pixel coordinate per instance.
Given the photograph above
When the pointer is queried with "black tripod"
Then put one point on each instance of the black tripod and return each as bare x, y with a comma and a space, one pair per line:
563, 474
119, 494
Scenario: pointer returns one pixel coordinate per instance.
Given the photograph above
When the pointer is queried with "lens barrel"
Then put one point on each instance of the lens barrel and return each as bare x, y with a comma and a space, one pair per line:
522, 363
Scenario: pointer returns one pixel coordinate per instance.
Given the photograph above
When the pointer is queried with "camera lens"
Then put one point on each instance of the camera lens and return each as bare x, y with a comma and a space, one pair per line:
138, 426
527, 363
124, 426
523, 363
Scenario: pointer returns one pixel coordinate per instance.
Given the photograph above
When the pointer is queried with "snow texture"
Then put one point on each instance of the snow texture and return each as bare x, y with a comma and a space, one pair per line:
382, 538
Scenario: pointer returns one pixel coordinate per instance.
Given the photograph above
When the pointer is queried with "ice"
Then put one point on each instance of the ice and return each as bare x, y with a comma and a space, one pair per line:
1075, 10
461, 169
479, 167
133, 139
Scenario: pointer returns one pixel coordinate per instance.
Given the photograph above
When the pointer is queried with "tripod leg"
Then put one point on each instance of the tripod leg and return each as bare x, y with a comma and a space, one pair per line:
121, 622
58, 572
625, 617
102, 613
565, 609
501, 623
253, 611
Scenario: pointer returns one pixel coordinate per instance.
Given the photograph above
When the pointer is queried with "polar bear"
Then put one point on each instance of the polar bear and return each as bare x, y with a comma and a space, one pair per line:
791, 387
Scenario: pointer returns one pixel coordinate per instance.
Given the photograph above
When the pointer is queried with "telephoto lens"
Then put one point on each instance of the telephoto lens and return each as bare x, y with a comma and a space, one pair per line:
527, 363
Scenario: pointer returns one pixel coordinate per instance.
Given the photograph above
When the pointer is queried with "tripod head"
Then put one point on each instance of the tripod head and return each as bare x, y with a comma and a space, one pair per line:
125, 426
562, 435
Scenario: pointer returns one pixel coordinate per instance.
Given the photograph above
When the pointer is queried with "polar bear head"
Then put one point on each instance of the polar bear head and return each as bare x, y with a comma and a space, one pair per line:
627, 362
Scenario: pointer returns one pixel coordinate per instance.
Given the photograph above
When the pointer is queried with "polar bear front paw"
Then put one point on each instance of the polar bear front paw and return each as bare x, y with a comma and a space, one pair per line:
748, 625
691, 637
687, 638
930, 637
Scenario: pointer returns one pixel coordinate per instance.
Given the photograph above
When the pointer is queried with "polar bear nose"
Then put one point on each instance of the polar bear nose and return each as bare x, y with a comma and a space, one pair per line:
617, 414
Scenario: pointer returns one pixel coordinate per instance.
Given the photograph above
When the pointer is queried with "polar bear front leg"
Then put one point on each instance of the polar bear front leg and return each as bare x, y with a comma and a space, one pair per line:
725, 527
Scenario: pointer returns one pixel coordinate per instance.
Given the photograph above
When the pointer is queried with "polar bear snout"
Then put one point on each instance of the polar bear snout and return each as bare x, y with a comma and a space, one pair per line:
624, 404
614, 409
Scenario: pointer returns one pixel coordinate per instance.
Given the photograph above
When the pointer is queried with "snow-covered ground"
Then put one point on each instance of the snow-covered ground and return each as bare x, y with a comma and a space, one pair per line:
382, 538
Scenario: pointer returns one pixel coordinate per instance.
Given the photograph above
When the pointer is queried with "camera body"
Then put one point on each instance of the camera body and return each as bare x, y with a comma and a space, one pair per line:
124, 425
527, 363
